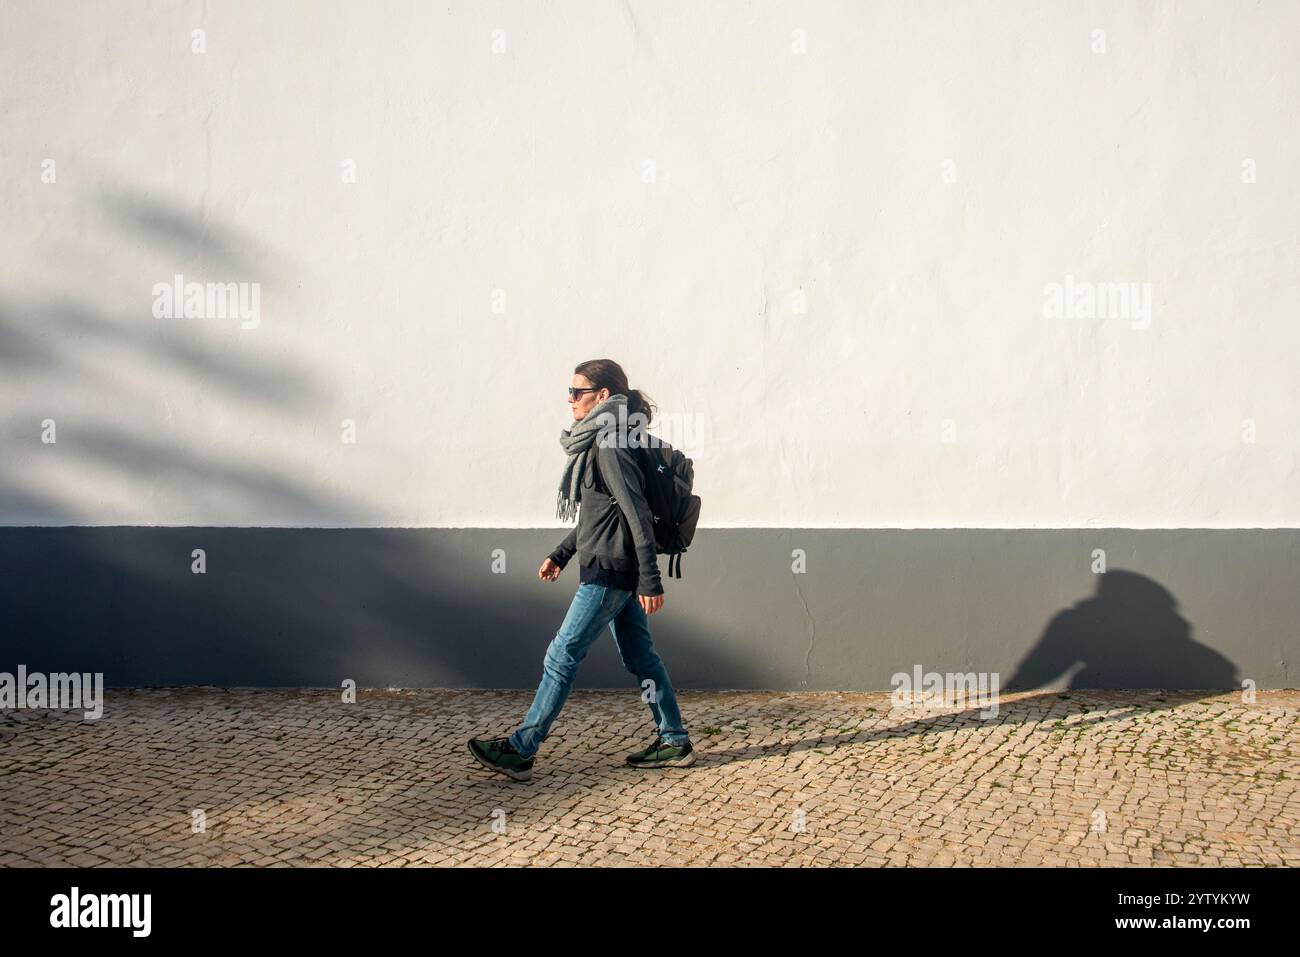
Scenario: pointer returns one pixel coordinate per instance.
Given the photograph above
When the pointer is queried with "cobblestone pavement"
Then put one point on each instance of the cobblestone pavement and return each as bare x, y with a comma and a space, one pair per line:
297, 777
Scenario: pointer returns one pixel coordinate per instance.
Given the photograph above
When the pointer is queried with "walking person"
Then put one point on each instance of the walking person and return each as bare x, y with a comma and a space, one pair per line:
618, 578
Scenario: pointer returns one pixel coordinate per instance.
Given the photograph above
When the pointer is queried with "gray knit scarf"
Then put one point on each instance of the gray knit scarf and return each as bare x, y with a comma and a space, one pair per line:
577, 442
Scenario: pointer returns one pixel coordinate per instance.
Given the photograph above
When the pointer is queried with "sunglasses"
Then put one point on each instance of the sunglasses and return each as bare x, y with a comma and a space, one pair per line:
574, 393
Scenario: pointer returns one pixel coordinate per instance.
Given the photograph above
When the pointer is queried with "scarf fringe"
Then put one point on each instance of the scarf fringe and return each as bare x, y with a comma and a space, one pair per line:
564, 509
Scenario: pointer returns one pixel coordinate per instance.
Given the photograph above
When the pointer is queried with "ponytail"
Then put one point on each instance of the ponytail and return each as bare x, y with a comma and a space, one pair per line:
638, 401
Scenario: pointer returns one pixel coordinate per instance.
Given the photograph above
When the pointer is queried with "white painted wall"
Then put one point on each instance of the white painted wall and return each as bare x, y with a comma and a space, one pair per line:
795, 148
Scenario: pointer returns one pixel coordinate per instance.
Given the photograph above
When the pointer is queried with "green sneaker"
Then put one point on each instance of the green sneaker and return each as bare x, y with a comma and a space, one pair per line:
500, 755
661, 754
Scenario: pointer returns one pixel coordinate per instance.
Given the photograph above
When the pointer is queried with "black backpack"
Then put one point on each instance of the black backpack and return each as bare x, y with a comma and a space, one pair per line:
675, 510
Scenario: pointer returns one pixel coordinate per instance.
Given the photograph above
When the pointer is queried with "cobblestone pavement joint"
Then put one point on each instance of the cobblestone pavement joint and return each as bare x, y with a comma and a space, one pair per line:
201, 776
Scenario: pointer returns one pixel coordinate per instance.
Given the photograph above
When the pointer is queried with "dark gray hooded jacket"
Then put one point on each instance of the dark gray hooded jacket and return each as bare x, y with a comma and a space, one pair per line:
615, 529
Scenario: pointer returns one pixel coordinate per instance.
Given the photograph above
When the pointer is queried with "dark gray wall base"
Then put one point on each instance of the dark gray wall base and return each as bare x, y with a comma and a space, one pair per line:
1178, 609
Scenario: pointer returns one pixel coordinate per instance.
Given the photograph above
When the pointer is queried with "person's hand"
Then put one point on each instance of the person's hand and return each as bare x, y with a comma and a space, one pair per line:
549, 571
651, 603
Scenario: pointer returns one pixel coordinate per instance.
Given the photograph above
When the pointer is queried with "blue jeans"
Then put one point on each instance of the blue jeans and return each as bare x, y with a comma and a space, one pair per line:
594, 607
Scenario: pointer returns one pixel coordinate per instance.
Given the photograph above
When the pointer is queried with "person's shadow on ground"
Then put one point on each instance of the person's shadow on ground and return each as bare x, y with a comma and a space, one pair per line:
1128, 638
